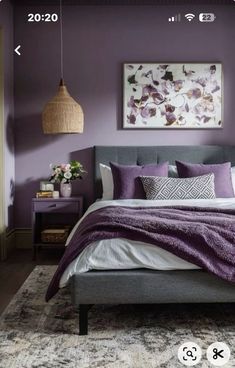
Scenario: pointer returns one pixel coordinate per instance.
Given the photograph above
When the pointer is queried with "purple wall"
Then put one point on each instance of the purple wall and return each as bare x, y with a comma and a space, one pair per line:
6, 24
97, 41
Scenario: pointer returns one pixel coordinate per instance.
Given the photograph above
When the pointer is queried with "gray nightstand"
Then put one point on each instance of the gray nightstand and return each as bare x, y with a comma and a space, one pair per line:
51, 212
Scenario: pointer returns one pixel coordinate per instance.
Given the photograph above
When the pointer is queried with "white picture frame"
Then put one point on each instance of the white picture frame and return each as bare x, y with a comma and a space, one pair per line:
172, 96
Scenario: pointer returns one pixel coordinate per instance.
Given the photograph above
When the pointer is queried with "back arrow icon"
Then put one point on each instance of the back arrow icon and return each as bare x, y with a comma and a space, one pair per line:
17, 50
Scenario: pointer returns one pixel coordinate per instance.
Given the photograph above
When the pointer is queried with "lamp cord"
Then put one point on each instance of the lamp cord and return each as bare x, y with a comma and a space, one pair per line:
61, 42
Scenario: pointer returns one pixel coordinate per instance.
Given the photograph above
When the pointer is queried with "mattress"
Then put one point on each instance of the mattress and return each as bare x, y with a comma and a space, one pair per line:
122, 254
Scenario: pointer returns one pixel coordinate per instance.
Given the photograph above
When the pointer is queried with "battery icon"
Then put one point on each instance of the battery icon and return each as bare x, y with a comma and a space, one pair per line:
207, 17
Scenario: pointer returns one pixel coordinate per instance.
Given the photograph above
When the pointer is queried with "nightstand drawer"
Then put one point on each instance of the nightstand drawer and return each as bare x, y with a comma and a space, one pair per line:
60, 207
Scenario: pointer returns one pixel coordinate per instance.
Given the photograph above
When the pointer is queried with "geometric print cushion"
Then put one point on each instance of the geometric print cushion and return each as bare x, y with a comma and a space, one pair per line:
199, 187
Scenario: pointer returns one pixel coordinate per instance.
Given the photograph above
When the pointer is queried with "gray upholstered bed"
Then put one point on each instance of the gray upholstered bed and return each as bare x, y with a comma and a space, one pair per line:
148, 286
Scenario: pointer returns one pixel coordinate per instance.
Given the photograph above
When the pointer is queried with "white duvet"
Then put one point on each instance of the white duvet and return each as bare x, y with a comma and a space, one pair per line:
128, 254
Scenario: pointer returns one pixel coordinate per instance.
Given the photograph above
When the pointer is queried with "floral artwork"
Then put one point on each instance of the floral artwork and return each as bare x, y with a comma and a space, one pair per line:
173, 95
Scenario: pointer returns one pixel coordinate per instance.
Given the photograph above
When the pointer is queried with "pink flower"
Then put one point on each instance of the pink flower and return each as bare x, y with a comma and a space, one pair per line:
63, 167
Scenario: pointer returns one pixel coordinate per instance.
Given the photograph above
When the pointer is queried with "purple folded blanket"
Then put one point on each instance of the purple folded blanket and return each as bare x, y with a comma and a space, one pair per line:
203, 236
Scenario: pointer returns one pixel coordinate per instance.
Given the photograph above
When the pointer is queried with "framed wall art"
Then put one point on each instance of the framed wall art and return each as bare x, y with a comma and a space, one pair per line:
172, 95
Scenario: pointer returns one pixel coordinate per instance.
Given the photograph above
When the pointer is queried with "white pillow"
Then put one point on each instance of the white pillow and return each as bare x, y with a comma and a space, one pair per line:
233, 177
107, 182
172, 171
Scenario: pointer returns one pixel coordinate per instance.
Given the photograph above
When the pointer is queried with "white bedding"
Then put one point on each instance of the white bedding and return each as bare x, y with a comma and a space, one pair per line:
127, 254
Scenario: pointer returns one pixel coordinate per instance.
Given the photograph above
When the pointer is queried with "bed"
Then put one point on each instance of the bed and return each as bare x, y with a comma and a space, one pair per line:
135, 286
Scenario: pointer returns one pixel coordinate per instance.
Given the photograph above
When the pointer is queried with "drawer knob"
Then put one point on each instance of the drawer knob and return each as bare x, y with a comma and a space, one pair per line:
52, 205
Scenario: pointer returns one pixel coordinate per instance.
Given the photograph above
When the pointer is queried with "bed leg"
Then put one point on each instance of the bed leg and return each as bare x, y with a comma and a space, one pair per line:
83, 318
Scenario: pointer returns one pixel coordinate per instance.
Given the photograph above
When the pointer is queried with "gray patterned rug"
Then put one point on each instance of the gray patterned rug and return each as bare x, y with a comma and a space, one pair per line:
38, 334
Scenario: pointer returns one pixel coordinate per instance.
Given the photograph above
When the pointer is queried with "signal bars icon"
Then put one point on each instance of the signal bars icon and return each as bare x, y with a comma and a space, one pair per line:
176, 18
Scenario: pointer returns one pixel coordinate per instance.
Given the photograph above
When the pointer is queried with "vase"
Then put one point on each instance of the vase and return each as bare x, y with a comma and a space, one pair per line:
65, 190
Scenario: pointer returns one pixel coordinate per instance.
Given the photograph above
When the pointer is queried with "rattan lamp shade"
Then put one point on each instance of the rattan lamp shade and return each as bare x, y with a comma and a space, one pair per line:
62, 114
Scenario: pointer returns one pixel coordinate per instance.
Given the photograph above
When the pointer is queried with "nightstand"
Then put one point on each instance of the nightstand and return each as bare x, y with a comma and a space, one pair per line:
48, 213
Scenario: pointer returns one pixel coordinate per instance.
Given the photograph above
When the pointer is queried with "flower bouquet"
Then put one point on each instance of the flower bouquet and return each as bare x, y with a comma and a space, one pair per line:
64, 174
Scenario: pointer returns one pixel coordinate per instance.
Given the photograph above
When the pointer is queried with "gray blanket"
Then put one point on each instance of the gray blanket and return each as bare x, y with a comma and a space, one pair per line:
203, 236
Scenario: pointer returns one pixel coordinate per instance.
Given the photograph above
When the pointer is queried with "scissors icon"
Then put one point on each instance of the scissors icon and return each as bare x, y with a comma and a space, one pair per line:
217, 354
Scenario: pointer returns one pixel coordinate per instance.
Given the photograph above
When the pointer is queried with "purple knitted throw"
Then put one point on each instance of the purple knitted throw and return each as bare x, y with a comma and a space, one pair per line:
203, 236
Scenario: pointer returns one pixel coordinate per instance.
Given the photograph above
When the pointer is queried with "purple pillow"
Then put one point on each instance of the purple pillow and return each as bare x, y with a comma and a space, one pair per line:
222, 172
126, 181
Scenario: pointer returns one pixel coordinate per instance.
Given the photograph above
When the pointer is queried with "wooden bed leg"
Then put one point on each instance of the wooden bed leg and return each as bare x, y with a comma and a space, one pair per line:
83, 318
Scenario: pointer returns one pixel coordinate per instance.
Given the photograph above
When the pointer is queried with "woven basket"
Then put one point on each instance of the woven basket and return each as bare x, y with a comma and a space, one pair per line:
54, 235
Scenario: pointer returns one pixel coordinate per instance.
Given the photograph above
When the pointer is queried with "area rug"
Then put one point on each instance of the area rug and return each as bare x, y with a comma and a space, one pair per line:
34, 333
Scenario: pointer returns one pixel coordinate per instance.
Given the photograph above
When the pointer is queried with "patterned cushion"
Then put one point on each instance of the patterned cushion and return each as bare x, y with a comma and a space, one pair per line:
200, 187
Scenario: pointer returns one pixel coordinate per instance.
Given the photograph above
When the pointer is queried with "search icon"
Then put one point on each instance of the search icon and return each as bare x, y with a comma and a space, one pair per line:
189, 353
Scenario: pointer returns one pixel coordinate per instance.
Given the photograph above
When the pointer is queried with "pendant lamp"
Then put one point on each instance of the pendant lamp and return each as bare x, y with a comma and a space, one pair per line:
62, 114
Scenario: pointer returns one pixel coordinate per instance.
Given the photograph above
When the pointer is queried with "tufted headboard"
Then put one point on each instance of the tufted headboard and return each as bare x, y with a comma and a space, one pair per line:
133, 155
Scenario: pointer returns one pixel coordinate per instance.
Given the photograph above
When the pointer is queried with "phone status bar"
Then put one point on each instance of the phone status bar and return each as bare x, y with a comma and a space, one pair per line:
191, 17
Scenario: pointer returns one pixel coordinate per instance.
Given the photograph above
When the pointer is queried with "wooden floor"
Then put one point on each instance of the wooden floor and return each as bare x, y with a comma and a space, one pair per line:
15, 270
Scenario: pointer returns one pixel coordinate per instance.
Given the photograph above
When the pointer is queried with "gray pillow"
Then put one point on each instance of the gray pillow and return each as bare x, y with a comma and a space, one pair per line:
199, 187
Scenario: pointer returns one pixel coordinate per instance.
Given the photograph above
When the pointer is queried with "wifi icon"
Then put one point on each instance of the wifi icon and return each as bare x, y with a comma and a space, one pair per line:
189, 16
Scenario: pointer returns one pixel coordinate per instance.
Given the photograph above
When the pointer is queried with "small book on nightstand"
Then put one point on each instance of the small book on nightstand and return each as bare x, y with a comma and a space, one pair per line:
44, 194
